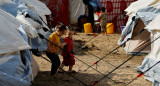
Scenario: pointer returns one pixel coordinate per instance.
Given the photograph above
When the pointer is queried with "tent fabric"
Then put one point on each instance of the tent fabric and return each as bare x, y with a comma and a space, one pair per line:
19, 10
154, 25
135, 6
95, 4
4, 1
33, 24
36, 6
35, 68
154, 74
14, 71
16, 8
27, 54
146, 15
38, 43
11, 38
31, 32
139, 41
77, 8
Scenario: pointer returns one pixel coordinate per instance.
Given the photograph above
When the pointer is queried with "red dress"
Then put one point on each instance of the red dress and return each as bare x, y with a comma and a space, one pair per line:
68, 57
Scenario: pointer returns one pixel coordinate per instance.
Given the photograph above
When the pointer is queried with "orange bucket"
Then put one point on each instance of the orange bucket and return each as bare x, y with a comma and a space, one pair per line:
88, 28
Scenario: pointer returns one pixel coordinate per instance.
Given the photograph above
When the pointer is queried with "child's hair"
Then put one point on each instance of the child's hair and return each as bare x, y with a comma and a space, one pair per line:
103, 9
98, 9
61, 27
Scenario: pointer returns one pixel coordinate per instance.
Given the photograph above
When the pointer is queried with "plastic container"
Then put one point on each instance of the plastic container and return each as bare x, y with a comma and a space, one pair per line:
88, 28
122, 27
109, 28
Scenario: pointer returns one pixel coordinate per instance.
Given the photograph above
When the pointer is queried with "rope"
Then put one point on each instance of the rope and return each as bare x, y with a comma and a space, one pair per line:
39, 54
96, 82
95, 56
41, 36
115, 49
142, 73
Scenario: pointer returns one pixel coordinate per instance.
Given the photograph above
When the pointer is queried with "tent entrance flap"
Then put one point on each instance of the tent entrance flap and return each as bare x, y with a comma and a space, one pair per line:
138, 42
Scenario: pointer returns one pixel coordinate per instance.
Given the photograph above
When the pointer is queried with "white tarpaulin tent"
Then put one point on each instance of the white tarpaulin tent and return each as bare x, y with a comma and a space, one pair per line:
34, 23
36, 6
11, 40
147, 15
135, 6
138, 19
14, 69
17, 67
154, 56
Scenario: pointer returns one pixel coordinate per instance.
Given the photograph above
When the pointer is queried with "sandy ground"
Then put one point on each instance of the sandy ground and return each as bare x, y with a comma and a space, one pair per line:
99, 46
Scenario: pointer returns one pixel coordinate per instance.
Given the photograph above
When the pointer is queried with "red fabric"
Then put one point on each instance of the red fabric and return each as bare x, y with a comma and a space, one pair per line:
98, 14
60, 9
67, 50
114, 8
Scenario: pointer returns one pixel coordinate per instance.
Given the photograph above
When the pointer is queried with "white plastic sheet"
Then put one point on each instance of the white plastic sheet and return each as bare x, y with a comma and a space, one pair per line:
135, 6
31, 31
155, 24
37, 6
153, 74
77, 8
11, 40
13, 71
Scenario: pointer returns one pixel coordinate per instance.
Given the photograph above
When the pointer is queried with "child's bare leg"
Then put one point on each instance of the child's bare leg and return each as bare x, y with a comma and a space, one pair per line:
70, 68
61, 67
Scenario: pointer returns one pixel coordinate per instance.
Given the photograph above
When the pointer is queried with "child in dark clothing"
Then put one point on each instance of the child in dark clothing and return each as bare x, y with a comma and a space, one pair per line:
52, 50
67, 53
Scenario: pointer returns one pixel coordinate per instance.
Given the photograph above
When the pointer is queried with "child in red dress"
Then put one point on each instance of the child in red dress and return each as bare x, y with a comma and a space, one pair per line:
67, 53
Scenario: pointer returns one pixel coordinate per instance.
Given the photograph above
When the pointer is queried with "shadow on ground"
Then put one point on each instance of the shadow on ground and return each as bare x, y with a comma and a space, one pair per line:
63, 79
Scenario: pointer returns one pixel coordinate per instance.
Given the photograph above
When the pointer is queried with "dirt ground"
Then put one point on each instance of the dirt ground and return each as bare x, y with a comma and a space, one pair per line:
99, 46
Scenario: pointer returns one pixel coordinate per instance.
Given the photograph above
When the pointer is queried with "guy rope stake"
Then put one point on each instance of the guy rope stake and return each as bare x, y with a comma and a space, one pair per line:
41, 36
96, 82
142, 73
114, 49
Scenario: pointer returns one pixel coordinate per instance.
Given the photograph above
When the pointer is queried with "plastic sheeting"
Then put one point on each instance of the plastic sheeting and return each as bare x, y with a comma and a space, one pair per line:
27, 53
95, 4
36, 6
38, 43
152, 75
11, 40
135, 6
16, 8
31, 32
14, 70
77, 8
20, 10
154, 25
146, 15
